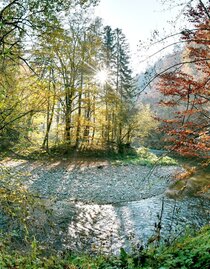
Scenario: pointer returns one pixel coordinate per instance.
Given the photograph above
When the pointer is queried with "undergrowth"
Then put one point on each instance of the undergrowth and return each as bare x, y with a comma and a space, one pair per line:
22, 213
140, 156
186, 252
144, 157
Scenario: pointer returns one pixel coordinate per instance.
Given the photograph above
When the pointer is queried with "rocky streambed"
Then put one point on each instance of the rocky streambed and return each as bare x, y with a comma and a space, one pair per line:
100, 207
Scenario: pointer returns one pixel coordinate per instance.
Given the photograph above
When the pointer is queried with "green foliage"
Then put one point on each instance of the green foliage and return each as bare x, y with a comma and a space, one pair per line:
54, 98
144, 157
188, 252
20, 211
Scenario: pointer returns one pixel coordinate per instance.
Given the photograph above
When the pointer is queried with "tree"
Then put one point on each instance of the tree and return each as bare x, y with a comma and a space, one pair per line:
187, 89
71, 55
21, 98
123, 85
62, 60
118, 87
21, 24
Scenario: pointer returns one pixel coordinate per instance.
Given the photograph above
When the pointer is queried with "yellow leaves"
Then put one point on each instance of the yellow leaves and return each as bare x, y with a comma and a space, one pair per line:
189, 171
205, 189
203, 136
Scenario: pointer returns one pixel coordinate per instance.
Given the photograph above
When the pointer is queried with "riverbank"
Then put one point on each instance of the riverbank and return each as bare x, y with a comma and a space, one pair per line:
106, 181
187, 252
95, 182
97, 205
106, 204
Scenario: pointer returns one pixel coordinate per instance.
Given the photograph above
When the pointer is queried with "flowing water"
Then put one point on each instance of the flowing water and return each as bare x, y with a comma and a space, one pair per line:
108, 227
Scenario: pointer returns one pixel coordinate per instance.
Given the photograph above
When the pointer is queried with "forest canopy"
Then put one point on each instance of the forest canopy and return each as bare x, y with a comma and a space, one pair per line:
65, 78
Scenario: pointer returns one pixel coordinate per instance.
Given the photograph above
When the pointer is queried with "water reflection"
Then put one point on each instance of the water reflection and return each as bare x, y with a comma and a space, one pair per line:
106, 228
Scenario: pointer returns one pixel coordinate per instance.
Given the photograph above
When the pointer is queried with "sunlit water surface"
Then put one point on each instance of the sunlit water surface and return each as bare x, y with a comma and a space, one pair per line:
107, 228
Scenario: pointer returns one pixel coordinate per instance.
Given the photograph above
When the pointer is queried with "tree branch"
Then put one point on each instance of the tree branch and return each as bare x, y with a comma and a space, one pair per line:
205, 9
167, 69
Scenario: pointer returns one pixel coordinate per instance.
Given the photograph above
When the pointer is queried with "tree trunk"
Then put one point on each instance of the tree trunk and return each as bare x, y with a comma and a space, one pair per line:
50, 114
86, 133
68, 117
79, 113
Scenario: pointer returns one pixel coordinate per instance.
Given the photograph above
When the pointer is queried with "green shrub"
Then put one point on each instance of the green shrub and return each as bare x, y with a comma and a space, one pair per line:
188, 252
20, 210
193, 253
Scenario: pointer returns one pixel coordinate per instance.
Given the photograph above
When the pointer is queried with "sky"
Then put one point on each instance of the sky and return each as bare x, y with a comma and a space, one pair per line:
137, 18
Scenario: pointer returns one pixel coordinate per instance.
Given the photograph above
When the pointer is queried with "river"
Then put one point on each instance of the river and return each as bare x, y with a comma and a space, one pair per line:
107, 228
100, 209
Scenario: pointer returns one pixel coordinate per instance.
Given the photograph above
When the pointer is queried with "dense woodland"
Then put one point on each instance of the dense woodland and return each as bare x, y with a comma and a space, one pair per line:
67, 79
67, 83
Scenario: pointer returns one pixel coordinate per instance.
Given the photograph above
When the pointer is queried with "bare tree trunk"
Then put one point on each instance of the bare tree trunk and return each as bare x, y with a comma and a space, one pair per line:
68, 116
50, 114
79, 113
94, 119
87, 116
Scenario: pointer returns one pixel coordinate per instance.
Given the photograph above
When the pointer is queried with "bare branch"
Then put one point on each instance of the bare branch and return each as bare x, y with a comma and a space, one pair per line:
172, 44
169, 68
8, 6
205, 9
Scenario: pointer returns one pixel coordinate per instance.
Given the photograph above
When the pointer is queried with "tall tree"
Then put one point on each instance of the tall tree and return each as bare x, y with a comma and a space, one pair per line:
123, 85
188, 129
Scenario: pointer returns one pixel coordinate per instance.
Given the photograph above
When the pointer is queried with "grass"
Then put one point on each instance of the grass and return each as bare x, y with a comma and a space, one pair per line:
144, 157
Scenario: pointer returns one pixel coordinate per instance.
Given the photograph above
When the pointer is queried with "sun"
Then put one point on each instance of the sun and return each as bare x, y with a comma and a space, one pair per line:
101, 76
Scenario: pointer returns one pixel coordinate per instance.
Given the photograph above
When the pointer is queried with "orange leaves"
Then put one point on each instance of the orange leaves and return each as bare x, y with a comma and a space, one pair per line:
171, 121
189, 112
201, 101
178, 84
189, 171
168, 103
187, 93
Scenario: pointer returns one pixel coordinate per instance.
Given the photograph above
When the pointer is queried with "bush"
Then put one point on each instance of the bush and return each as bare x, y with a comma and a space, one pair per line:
188, 252
21, 212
